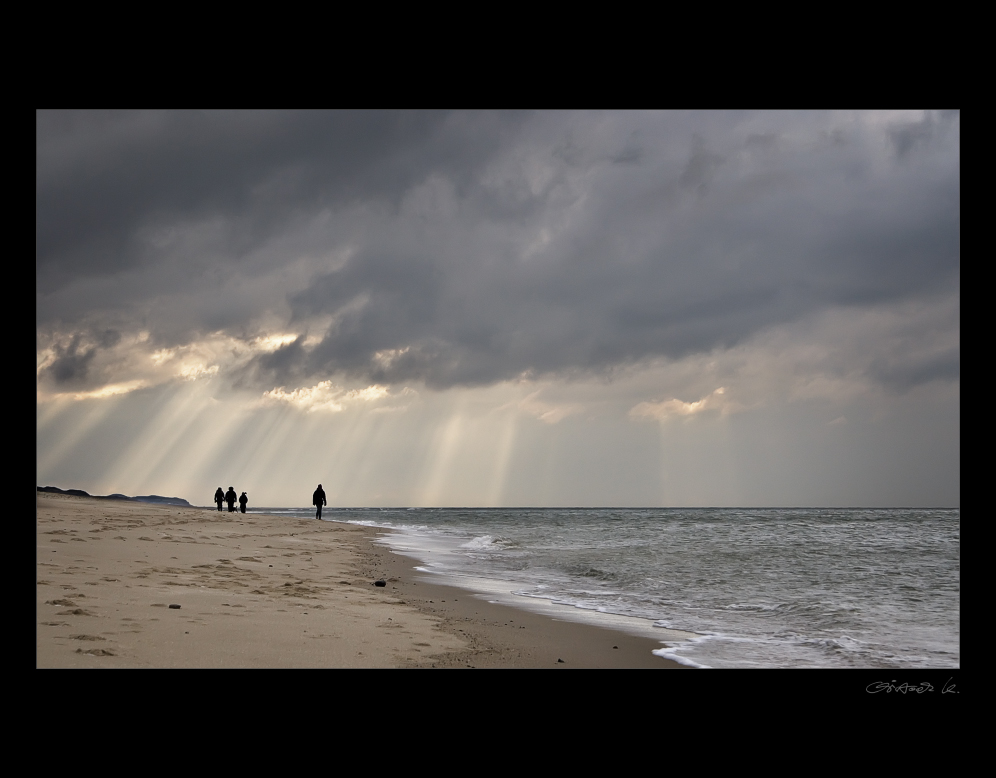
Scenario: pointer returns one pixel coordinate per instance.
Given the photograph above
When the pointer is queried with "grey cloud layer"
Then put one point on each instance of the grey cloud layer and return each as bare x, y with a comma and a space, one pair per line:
464, 249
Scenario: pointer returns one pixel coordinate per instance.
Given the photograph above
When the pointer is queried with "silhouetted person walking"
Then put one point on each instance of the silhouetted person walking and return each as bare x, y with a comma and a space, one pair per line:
219, 497
230, 499
242, 502
318, 500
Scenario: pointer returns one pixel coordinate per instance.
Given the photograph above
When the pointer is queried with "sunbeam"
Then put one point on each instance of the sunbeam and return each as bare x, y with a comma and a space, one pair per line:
74, 419
446, 442
154, 442
505, 444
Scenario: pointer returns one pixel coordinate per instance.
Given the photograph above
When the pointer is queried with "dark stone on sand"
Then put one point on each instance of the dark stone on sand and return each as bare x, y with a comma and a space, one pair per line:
177, 607
561, 661
381, 582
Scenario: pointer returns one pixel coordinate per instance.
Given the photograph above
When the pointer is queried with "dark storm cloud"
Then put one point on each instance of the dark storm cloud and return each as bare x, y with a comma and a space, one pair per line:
281, 366
484, 246
101, 176
71, 365
908, 136
905, 375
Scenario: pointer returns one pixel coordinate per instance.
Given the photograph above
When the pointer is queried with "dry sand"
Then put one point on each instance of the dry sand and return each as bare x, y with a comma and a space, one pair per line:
266, 591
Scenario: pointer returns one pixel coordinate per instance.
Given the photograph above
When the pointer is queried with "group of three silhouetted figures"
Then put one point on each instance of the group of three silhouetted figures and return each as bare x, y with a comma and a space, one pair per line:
229, 497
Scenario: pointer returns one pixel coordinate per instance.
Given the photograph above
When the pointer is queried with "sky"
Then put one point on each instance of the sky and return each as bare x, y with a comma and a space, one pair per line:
497, 309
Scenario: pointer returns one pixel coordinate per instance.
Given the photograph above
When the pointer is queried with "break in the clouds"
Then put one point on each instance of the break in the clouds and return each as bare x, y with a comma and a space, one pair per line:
325, 260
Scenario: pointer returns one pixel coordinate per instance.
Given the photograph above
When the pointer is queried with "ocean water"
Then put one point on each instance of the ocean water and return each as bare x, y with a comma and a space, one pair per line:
719, 587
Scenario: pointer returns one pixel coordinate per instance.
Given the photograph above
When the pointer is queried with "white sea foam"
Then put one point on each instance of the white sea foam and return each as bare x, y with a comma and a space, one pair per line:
484, 543
670, 652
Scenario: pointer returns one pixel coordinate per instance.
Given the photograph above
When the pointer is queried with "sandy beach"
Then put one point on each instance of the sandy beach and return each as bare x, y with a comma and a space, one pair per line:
128, 584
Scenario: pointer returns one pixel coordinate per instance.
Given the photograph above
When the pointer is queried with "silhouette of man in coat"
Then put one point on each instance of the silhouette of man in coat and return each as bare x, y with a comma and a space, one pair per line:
318, 500
230, 499
242, 502
219, 497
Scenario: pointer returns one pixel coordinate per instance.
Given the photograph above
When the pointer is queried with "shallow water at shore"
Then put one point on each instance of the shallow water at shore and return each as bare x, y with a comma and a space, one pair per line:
756, 587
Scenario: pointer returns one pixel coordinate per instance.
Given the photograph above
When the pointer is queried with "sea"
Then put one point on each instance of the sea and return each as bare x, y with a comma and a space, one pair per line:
717, 587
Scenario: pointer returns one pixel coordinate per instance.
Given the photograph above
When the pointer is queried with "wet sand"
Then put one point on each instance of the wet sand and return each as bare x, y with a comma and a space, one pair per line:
266, 591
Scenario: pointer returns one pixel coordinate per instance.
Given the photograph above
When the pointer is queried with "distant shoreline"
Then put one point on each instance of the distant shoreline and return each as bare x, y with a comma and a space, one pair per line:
150, 498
